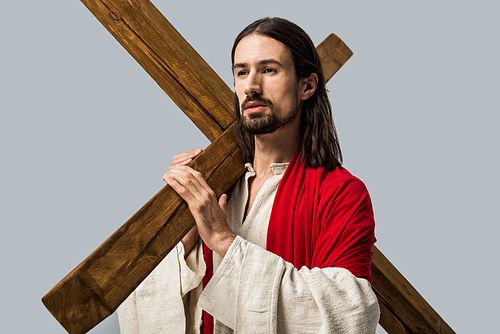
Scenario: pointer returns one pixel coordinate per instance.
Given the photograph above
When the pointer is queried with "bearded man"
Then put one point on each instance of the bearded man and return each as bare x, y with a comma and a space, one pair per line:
291, 250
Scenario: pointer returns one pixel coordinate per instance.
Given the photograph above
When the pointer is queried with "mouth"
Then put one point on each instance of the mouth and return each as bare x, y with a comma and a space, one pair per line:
255, 106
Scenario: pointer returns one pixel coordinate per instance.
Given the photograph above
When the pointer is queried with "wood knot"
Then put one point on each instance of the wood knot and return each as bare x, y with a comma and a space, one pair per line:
115, 15
136, 4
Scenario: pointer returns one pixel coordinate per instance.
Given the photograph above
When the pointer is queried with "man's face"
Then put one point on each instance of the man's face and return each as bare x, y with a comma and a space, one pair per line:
265, 84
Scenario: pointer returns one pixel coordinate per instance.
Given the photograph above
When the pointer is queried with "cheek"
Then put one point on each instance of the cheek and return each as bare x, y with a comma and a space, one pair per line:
285, 96
239, 93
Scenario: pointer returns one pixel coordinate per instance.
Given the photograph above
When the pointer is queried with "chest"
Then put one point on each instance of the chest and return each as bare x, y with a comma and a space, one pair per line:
249, 210
251, 226
254, 187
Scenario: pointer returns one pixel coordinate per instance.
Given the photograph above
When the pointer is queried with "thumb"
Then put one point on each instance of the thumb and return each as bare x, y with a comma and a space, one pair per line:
223, 202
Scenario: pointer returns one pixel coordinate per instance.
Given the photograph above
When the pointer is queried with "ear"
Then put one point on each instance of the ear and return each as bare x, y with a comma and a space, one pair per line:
308, 86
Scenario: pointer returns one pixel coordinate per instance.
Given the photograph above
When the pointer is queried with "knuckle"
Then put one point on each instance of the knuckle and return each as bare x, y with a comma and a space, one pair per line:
196, 207
211, 194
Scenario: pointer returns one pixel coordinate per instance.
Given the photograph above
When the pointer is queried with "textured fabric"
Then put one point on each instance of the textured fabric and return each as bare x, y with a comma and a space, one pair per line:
255, 291
165, 302
322, 219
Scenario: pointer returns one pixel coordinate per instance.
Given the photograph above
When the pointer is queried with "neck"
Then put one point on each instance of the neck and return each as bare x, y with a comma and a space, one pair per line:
277, 147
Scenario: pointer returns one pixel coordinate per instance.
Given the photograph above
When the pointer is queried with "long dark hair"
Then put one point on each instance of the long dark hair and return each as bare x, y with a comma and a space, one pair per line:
320, 144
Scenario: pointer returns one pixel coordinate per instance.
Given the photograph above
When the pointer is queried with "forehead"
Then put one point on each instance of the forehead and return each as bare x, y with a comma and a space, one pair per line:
254, 48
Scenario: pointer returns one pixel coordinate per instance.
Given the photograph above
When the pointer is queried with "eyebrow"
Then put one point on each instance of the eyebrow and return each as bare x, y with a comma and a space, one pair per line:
261, 62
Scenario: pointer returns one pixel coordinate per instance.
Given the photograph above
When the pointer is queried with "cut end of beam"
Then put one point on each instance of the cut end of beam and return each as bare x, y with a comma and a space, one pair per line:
81, 310
333, 53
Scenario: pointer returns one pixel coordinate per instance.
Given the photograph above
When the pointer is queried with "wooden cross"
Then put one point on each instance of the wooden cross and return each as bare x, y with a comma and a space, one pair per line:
96, 287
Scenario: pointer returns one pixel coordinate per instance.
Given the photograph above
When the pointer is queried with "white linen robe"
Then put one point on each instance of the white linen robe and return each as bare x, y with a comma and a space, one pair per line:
252, 290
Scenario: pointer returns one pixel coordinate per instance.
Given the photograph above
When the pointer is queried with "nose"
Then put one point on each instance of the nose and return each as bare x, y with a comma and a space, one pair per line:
252, 84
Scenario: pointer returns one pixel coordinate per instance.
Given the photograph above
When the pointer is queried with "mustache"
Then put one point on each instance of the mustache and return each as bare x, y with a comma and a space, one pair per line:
256, 98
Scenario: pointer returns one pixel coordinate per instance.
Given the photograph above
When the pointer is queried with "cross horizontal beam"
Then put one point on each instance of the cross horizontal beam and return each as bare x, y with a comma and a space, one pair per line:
96, 287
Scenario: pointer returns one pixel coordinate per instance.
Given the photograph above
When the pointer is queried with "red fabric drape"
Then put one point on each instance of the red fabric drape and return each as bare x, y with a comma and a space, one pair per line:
322, 219
208, 321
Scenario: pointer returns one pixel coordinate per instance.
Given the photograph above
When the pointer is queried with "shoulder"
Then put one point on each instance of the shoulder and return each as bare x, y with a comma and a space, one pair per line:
344, 200
341, 180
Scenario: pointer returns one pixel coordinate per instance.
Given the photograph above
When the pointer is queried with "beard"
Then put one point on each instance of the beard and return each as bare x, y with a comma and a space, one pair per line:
266, 121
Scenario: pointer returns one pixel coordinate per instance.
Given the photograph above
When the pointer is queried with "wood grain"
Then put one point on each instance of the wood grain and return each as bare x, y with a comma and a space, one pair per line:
96, 287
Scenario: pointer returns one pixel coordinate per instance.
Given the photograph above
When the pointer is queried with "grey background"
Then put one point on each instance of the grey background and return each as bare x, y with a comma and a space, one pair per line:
86, 136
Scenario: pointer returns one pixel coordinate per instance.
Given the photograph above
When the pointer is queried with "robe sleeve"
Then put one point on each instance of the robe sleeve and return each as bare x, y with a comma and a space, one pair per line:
192, 269
165, 302
255, 290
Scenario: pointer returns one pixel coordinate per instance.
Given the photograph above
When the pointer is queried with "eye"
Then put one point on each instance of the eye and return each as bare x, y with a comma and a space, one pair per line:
241, 73
269, 70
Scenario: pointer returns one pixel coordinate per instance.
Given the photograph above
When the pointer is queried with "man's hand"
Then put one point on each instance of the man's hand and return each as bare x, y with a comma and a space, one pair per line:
191, 238
209, 213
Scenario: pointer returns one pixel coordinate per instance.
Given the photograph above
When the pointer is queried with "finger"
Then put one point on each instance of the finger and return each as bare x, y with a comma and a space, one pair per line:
183, 159
166, 177
185, 177
195, 183
181, 163
198, 179
179, 188
197, 152
187, 156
